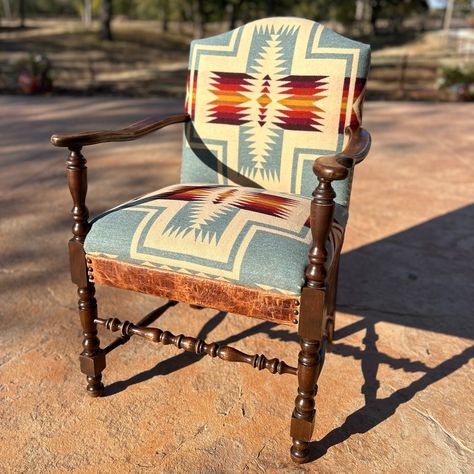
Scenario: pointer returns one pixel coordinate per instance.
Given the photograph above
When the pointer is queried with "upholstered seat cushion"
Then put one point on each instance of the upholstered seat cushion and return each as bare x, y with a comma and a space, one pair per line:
247, 236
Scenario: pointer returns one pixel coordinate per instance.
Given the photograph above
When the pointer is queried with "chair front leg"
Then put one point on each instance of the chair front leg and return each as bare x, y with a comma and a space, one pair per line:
314, 300
92, 358
302, 422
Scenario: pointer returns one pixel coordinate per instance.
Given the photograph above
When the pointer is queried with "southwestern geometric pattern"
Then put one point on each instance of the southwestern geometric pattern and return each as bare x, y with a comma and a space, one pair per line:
225, 233
268, 98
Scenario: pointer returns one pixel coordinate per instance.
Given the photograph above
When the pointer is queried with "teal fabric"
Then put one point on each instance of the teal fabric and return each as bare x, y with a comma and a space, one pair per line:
268, 98
245, 236
265, 100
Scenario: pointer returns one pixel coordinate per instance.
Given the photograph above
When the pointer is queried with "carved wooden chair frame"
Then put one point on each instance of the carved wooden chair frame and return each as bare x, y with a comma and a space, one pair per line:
315, 316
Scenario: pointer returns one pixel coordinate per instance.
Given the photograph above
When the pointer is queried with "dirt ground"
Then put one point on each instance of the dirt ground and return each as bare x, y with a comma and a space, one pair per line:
396, 392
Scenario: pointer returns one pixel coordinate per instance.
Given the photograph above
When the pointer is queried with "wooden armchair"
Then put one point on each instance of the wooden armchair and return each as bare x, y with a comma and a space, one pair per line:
269, 105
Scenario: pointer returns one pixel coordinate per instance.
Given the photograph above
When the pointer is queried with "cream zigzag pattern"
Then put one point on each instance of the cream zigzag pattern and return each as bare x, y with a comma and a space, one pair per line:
190, 247
289, 176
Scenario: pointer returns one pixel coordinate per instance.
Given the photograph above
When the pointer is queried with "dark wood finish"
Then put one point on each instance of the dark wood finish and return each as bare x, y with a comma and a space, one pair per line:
132, 132
314, 299
359, 144
198, 346
331, 298
302, 421
335, 167
77, 181
321, 217
145, 321
315, 307
196, 290
77, 263
92, 359
311, 322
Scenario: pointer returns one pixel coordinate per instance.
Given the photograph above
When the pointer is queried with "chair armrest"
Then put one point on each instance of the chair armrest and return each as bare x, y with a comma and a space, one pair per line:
132, 132
336, 167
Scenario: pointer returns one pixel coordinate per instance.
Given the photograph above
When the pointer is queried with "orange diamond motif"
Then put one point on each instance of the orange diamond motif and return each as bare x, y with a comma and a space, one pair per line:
264, 100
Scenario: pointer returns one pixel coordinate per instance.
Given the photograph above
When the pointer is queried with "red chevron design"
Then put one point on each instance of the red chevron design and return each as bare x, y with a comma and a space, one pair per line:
263, 203
229, 106
358, 90
300, 111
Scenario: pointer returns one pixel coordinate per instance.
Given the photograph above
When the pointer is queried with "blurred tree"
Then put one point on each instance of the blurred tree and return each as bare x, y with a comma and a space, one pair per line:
361, 15
7, 10
395, 10
199, 14
270, 8
234, 9
166, 11
105, 20
22, 12
448, 15
87, 13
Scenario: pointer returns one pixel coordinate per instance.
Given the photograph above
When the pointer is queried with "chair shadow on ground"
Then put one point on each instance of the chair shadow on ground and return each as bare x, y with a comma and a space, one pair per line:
416, 278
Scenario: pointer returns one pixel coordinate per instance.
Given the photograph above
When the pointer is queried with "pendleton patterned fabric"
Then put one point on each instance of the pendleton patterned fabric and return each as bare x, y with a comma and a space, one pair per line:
241, 235
266, 99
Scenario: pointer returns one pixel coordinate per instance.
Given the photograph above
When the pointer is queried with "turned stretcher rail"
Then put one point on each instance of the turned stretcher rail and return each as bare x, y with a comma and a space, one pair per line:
198, 346
145, 321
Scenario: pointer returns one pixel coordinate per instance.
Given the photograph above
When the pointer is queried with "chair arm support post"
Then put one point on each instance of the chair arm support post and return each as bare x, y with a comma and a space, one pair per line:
327, 169
321, 215
313, 295
77, 181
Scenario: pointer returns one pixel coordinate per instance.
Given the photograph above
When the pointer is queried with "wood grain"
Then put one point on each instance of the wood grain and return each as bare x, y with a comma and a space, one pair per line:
197, 346
132, 132
336, 167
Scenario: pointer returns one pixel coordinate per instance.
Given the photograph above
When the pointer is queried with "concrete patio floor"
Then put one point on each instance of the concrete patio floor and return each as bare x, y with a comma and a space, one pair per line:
396, 393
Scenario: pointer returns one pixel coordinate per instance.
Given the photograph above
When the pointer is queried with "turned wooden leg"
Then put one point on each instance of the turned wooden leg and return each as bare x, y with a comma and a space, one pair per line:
302, 421
92, 358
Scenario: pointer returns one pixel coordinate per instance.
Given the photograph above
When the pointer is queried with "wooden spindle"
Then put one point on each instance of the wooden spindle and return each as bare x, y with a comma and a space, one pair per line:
302, 422
77, 180
198, 346
322, 212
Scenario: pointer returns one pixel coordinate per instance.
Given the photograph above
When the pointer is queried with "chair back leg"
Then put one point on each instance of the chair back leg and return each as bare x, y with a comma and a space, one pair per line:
331, 307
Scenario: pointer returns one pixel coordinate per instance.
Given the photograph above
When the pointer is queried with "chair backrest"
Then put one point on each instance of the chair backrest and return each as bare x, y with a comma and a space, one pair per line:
266, 99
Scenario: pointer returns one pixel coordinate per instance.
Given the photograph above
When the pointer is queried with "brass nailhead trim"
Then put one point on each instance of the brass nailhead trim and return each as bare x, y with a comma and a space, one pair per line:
296, 312
295, 321
296, 303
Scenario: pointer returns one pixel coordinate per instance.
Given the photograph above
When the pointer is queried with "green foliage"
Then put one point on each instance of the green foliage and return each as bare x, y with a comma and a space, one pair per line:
342, 11
51, 7
453, 75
